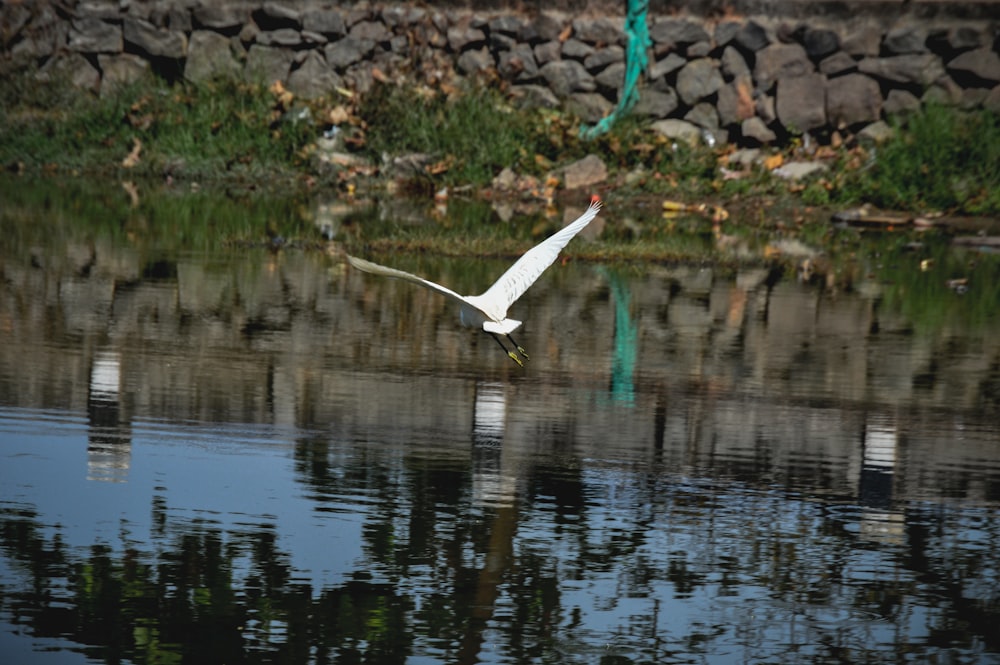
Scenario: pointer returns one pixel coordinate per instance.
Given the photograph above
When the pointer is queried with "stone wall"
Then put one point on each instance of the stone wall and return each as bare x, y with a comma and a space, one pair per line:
721, 77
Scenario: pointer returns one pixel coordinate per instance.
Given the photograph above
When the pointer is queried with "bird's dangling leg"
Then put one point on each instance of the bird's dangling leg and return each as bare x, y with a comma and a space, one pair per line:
520, 349
510, 354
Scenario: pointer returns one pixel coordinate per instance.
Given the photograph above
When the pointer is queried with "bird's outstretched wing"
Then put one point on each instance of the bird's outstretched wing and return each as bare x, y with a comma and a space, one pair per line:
513, 283
376, 269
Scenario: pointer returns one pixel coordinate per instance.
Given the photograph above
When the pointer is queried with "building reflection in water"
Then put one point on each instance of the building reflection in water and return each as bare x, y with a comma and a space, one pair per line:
879, 521
109, 440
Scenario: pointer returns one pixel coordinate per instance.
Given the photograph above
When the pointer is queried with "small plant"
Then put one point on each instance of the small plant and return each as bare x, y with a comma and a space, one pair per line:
943, 159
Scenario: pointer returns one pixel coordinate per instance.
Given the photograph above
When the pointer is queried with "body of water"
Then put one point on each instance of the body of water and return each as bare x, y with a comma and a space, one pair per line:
230, 455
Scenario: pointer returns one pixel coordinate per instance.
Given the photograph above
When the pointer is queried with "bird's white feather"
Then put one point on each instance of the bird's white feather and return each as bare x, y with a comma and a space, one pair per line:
513, 283
376, 269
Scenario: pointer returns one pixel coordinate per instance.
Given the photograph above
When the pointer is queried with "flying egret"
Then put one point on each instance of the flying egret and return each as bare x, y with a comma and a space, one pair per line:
489, 310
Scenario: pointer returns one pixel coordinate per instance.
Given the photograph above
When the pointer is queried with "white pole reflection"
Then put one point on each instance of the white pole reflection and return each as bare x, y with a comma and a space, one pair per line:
879, 522
490, 485
109, 441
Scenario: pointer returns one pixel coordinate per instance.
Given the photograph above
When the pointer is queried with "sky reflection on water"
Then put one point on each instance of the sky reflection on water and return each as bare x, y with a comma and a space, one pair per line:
247, 457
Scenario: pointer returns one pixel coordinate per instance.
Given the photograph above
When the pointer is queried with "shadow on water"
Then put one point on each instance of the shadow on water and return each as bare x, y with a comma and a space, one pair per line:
229, 454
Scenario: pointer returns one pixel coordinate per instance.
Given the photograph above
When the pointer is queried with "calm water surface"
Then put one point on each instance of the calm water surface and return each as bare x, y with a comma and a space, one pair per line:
239, 456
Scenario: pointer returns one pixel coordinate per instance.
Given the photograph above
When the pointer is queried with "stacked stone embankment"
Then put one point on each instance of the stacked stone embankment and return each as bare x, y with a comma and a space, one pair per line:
748, 80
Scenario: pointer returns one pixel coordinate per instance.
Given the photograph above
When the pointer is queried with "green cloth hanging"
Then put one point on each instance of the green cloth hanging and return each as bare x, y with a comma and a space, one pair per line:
637, 42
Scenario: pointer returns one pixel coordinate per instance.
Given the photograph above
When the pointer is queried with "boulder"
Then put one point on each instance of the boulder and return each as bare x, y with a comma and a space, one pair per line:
314, 78
279, 37
906, 39
324, 21
656, 103
601, 58
547, 52
678, 130
735, 102
801, 102
209, 55
853, 99
518, 64
669, 64
900, 101
734, 65
461, 38
838, 63
374, 31
799, 170
780, 61
612, 79
982, 63
698, 79
820, 43
704, 115
220, 15
543, 28
268, 64
576, 50
345, 52
92, 35
534, 96
752, 37
585, 172
603, 30
923, 68
475, 60
754, 128
566, 77
73, 67
120, 70
590, 107
673, 31
146, 37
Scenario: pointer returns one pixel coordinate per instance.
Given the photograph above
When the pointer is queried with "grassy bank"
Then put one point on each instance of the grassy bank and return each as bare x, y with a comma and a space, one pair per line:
240, 133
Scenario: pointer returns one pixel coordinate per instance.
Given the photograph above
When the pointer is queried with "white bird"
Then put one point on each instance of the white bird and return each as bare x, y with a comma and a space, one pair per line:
489, 310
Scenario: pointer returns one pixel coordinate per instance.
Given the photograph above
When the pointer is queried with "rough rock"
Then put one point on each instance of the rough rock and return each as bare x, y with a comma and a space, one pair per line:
461, 38
590, 107
735, 103
734, 65
585, 172
518, 64
73, 67
982, 63
534, 96
698, 79
92, 35
599, 29
678, 130
673, 32
752, 37
877, 132
853, 99
801, 102
209, 55
268, 64
279, 37
325, 22
819, 43
345, 52
780, 61
924, 69
900, 101
220, 16
656, 103
669, 64
154, 41
906, 39
567, 76
576, 49
862, 41
755, 129
313, 78
799, 170
704, 115
611, 79
120, 70
475, 60
838, 63
600, 59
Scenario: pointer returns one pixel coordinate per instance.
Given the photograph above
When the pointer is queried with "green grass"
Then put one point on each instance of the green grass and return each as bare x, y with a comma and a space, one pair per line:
941, 159
214, 132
